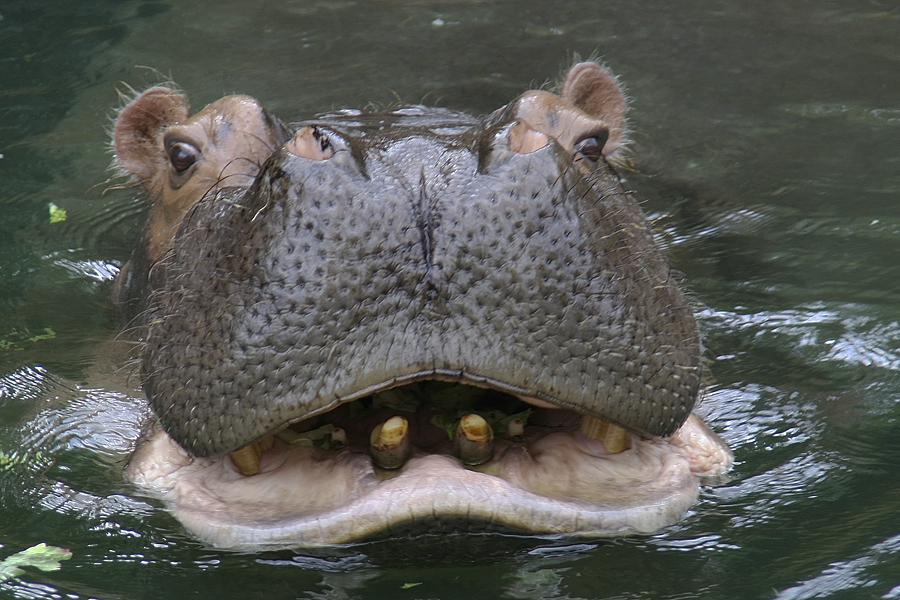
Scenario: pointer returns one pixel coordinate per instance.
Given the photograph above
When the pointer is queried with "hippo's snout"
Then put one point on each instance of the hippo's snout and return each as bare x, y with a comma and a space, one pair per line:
355, 265
469, 314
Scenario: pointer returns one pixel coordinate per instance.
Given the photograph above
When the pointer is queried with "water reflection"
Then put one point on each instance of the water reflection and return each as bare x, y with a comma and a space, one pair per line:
842, 333
852, 574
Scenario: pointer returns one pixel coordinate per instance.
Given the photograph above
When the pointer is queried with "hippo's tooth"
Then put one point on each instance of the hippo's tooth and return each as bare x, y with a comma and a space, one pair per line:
389, 443
615, 439
515, 430
474, 440
247, 458
338, 438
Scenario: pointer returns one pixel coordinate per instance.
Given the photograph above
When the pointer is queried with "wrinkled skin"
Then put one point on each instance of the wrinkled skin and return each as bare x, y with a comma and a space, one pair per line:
422, 264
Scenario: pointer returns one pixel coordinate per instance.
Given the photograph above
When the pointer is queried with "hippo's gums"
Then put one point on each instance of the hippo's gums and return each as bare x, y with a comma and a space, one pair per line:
407, 321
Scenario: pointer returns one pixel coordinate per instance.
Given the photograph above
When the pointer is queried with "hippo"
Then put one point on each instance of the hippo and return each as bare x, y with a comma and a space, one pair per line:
405, 322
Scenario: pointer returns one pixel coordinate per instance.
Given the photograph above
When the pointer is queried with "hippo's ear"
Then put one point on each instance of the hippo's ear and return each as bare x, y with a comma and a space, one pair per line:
138, 131
596, 91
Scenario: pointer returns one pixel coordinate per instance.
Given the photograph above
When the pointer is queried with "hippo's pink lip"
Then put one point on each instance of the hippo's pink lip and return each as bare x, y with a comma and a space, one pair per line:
305, 496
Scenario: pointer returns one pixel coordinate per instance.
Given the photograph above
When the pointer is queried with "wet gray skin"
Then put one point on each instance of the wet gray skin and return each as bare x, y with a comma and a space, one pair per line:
389, 251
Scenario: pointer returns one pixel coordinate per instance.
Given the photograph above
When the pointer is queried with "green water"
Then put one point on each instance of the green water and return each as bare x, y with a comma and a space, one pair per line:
766, 141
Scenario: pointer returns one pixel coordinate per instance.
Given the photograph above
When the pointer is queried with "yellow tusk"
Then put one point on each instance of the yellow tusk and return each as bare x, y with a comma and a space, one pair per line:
615, 439
474, 440
389, 443
247, 459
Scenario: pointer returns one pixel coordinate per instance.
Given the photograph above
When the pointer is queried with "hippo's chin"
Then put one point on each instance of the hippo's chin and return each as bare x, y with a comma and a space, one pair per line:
553, 482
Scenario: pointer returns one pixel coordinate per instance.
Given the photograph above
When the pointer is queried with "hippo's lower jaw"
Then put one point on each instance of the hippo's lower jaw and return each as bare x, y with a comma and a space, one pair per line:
549, 480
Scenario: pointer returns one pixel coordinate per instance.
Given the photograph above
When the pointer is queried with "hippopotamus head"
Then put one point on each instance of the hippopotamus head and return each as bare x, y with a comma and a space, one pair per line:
412, 318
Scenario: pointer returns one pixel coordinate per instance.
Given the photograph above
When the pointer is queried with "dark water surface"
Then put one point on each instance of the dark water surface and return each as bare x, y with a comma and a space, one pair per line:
766, 141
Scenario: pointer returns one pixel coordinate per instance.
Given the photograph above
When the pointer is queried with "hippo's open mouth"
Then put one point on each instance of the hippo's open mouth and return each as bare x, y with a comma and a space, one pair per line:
408, 317
319, 481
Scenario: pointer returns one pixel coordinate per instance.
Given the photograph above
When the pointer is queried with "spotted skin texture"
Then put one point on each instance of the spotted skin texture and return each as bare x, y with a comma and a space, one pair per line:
424, 247
354, 253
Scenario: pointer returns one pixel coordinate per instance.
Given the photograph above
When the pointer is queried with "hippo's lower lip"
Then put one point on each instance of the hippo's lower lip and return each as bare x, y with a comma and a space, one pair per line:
550, 480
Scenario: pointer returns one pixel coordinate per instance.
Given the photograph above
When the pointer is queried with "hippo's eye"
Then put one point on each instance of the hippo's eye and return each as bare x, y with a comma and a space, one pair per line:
182, 156
592, 147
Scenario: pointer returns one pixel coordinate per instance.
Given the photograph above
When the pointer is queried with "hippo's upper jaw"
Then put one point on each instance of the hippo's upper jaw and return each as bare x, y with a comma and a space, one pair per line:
438, 318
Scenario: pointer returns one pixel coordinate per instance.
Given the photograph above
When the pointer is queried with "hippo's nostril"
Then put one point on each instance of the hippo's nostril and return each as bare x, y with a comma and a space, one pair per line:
310, 143
324, 142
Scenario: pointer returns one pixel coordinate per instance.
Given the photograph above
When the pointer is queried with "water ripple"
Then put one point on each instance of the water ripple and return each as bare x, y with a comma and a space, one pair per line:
842, 333
105, 422
848, 574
